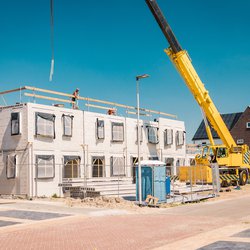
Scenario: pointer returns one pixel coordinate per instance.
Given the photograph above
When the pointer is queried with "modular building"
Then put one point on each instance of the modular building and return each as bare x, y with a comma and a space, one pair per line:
42, 145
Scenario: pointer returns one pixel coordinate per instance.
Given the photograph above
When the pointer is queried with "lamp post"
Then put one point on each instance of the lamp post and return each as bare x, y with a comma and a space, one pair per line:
139, 135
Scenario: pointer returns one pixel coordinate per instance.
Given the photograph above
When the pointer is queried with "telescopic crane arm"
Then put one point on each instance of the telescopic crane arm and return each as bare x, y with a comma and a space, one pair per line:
183, 64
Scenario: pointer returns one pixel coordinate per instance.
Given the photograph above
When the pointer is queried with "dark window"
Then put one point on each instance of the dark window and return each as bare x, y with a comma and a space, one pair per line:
45, 166
169, 166
117, 132
100, 129
15, 123
169, 161
11, 167
154, 158
45, 124
67, 125
98, 166
153, 135
117, 166
192, 162
71, 166
222, 152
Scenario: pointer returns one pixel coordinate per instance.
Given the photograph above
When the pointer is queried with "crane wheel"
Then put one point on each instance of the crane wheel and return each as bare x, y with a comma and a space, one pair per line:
243, 177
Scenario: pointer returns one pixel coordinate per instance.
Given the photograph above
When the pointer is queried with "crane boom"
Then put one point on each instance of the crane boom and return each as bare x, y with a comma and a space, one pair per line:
183, 63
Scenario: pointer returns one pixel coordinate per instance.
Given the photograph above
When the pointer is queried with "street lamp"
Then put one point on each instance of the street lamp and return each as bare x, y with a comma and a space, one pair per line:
139, 135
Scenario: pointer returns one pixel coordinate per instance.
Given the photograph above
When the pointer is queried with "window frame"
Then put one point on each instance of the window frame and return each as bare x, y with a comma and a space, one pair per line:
50, 117
240, 141
117, 124
178, 138
112, 160
13, 167
43, 157
71, 125
98, 121
166, 142
70, 158
156, 129
18, 121
93, 164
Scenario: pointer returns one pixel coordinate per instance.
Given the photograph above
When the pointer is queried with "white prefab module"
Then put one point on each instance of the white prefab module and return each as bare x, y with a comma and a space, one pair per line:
42, 145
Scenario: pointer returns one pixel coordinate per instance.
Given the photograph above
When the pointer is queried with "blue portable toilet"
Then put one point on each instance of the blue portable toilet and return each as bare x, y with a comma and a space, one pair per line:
153, 180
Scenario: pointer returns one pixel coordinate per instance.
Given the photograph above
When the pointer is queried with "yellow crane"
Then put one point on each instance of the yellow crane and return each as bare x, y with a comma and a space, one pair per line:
232, 159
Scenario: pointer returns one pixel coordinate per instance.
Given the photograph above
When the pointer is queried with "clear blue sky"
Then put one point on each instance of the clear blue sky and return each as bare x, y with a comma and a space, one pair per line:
100, 46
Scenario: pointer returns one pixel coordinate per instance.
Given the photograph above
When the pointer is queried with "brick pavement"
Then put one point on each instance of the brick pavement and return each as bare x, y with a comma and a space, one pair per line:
183, 227
109, 232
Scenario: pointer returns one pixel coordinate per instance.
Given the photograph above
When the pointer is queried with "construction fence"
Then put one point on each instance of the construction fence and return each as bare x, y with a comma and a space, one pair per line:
177, 183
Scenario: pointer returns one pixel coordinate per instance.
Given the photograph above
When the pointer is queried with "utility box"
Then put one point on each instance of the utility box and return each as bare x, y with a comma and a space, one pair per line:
168, 182
153, 180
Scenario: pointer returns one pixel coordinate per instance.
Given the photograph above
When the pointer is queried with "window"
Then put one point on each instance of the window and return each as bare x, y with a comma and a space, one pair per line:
169, 161
45, 166
240, 141
141, 133
71, 166
168, 137
67, 125
100, 129
11, 167
192, 162
117, 132
169, 166
248, 125
179, 138
98, 166
153, 135
154, 158
15, 123
180, 162
117, 166
221, 152
45, 125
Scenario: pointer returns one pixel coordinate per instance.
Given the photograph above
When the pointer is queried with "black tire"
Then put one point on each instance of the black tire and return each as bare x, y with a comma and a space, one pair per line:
243, 177
224, 183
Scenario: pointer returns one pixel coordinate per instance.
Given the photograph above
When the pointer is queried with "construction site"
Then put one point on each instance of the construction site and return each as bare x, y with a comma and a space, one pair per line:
71, 164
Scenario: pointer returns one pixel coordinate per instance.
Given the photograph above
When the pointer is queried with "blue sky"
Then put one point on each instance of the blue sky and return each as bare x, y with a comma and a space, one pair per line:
100, 46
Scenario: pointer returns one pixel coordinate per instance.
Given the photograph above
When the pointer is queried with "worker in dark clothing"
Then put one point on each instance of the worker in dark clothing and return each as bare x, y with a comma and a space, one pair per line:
74, 99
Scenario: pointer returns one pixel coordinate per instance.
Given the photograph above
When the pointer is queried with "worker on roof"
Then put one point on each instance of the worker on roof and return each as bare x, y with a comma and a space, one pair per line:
75, 98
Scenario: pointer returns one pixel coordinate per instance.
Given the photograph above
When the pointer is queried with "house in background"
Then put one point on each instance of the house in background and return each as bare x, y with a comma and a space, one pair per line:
44, 145
237, 123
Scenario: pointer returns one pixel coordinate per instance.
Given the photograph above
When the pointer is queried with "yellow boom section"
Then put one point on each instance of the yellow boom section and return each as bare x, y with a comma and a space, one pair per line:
184, 66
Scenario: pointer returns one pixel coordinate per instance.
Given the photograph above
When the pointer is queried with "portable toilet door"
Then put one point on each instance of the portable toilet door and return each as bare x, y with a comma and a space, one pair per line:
146, 182
159, 184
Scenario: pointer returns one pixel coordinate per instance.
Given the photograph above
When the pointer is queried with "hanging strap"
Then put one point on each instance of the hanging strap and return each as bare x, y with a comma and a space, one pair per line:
52, 39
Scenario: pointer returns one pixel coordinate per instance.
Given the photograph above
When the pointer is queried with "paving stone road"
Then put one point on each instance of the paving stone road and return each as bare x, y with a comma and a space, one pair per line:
46, 225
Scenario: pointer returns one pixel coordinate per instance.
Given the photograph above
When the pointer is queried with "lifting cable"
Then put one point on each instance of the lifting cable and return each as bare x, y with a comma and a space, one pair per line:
52, 39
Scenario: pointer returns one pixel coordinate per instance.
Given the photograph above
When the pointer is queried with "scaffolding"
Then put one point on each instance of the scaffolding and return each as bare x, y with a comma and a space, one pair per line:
34, 92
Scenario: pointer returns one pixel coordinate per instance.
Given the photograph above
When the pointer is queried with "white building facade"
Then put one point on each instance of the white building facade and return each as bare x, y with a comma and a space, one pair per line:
41, 145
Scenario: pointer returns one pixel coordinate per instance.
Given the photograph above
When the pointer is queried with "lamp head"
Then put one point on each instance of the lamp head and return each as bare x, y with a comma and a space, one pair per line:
141, 76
